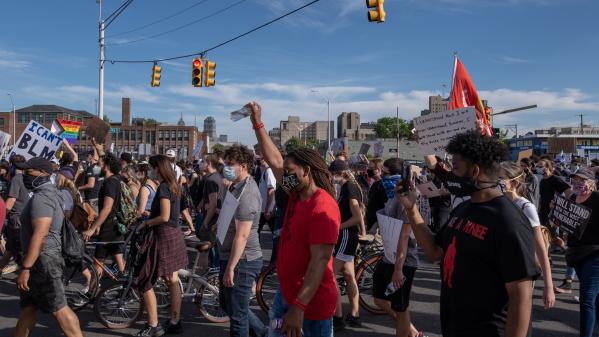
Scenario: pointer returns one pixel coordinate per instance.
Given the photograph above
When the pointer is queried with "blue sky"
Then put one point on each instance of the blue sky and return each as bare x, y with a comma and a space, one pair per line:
518, 52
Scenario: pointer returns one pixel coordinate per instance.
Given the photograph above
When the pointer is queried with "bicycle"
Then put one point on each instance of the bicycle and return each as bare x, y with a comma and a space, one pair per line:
369, 253
120, 304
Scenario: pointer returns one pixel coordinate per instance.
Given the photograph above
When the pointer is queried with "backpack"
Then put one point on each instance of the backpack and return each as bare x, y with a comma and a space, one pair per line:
127, 210
73, 247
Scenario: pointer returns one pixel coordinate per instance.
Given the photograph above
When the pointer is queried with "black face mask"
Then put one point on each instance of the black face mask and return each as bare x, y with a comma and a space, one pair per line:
290, 182
370, 173
33, 182
465, 186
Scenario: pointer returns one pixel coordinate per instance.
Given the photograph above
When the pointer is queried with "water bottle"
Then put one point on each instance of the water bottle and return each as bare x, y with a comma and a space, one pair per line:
274, 327
390, 289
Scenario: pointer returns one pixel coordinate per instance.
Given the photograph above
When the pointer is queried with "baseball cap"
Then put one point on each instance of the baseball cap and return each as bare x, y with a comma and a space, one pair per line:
584, 173
338, 165
171, 153
36, 163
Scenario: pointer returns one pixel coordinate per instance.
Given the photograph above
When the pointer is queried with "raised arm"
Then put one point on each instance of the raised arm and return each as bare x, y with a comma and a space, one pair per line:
66, 144
269, 150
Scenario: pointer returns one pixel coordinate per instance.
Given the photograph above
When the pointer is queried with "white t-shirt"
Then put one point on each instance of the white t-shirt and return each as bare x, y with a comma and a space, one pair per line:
178, 171
267, 181
529, 209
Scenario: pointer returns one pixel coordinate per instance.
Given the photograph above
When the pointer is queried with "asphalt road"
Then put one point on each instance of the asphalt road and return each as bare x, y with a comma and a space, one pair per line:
561, 321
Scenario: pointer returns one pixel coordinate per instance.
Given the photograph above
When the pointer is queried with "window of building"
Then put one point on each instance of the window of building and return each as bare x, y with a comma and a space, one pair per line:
23, 117
167, 135
50, 117
153, 139
133, 138
126, 135
38, 117
173, 135
180, 133
148, 137
160, 135
186, 135
1, 122
140, 136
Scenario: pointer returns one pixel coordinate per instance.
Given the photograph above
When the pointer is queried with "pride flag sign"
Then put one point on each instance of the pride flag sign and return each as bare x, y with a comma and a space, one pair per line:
66, 129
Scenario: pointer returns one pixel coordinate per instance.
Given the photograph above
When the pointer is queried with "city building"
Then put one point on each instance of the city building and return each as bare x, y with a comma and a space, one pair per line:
223, 138
210, 127
348, 123
125, 136
437, 104
367, 131
578, 141
275, 135
304, 131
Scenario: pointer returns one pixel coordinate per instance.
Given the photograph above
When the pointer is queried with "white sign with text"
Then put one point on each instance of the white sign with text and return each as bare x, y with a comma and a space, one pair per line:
36, 141
436, 129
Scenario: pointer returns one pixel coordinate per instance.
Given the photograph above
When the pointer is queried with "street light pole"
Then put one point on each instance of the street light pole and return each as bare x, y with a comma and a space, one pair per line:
14, 120
397, 132
101, 69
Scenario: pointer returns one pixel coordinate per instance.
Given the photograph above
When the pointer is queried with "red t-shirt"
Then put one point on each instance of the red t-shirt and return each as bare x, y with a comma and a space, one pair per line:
314, 221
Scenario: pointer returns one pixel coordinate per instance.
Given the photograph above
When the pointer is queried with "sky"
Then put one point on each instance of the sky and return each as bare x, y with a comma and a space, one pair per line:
518, 52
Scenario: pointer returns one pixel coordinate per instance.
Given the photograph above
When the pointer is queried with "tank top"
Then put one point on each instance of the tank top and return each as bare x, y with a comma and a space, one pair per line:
150, 197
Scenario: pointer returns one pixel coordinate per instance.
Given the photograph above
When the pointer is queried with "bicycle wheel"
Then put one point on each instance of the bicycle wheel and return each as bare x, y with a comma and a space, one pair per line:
163, 295
266, 287
364, 273
118, 306
207, 299
80, 285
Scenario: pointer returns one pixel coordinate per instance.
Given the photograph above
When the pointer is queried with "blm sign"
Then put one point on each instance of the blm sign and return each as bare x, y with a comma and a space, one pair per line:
570, 216
36, 141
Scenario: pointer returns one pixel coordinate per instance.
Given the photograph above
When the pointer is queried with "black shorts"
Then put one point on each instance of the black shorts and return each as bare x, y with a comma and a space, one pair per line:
383, 273
13, 237
347, 245
109, 232
46, 288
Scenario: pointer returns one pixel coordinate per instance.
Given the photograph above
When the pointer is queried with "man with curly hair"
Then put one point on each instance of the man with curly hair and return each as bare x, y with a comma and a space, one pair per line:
486, 247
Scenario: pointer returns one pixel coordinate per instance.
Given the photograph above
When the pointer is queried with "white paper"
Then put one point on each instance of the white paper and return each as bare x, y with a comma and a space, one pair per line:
436, 129
240, 114
225, 216
36, 141
389, 229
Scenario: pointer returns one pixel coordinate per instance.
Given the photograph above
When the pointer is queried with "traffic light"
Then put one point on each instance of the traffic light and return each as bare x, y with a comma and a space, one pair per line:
155, 75
210, 73
378, 13
197, 73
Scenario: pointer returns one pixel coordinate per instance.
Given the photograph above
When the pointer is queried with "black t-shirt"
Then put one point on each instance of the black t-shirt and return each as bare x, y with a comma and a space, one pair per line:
281, 198
164, 192
213, 183
377, 197
548, 187
111, 187
348, 191
485, 245
590, 236
93, 192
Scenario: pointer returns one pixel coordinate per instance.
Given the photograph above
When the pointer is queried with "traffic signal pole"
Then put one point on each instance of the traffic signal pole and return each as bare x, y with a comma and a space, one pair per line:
101, 81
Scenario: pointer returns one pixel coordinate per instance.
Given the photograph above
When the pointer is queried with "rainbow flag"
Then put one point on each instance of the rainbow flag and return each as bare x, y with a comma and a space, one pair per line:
70, 129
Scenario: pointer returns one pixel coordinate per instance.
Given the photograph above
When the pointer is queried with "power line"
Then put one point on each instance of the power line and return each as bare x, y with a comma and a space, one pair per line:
160, 20
182, 26
117, 13
220, 44
118, 9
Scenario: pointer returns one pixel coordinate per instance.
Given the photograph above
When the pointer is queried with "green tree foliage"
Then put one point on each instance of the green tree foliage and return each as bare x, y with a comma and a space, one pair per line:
218, 148
387, 127
294, 143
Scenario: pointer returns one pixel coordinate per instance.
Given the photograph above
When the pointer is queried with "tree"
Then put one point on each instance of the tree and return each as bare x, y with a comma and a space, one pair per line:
218, 148
293, 144
106, 119
386, 127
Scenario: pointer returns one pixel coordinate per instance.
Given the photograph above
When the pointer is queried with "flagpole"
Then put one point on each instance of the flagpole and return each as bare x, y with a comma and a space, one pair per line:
455, 65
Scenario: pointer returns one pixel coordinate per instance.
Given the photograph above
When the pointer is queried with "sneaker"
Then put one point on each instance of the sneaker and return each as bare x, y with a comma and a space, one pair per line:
352, 321
149, 331
564, 288
171, 328
577, 299
338, 324
10, 268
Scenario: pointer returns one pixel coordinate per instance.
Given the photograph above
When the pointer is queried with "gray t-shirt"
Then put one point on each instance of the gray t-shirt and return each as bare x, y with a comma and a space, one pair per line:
46, 203
394, 209
18, 191
249, 208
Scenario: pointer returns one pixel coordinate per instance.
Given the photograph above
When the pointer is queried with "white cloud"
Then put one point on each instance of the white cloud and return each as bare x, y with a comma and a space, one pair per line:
11, 60
511, 60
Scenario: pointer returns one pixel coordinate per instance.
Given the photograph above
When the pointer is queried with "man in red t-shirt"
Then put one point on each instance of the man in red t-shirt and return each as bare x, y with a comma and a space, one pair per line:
307, 295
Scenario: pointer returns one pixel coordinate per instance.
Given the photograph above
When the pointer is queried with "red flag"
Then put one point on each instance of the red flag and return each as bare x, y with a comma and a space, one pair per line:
463, 94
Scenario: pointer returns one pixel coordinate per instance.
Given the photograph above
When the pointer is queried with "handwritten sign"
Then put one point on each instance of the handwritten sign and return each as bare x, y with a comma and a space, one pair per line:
524, 154
570, 216
435, 130
379, 148
4, 139
364, 148
36, 141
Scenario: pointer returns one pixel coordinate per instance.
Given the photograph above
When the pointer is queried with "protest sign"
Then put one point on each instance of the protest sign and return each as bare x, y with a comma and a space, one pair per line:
364, 148
197, 149
97, 129
436, 129
36, 141
569, 216
428, 190
389, 229
4, 139
524, 154
379, 148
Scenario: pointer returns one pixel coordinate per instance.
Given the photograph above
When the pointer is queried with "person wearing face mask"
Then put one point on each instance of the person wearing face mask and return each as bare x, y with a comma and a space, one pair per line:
40, 279
93, 181
515, 189
486, 247
350, 207
376, 194
267, 186
240, 252
307, 295
583, 250
531, 180
211, 198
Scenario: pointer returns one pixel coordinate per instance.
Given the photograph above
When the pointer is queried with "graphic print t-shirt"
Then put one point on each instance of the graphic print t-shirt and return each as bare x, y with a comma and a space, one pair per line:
485, 246
548, 187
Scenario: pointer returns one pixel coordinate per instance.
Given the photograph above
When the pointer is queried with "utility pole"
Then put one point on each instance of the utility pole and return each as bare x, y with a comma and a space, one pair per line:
513, 126
397, 132
101, 69
581, 124
14, 121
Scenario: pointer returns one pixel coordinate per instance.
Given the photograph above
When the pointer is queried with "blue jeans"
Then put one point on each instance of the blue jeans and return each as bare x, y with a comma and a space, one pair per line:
323, 328
570, 273
588, 275
235, 301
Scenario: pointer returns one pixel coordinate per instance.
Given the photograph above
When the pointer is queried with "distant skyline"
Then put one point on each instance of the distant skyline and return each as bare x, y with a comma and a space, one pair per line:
518, 52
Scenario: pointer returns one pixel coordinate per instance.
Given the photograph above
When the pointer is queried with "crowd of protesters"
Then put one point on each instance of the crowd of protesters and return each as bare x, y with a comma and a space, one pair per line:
489, 226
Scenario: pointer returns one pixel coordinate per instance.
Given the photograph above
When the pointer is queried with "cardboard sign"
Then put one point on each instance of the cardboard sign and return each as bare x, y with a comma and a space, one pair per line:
390, 228
435, 130
36, 141
97, 129
364, 148
429, 190
570, 216
4, 139
524, 154
379, 148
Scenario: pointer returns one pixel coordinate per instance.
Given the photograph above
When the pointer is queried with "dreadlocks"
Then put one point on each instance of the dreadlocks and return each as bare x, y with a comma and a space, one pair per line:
319, 170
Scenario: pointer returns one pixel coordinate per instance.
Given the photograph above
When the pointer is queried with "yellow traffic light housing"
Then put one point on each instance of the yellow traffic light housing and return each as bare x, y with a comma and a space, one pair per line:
197, 72
378, 14
210, 73
156, 70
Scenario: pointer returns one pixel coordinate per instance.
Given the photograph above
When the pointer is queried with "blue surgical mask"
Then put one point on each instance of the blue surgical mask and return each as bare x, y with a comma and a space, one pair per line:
229, 173
389, 183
